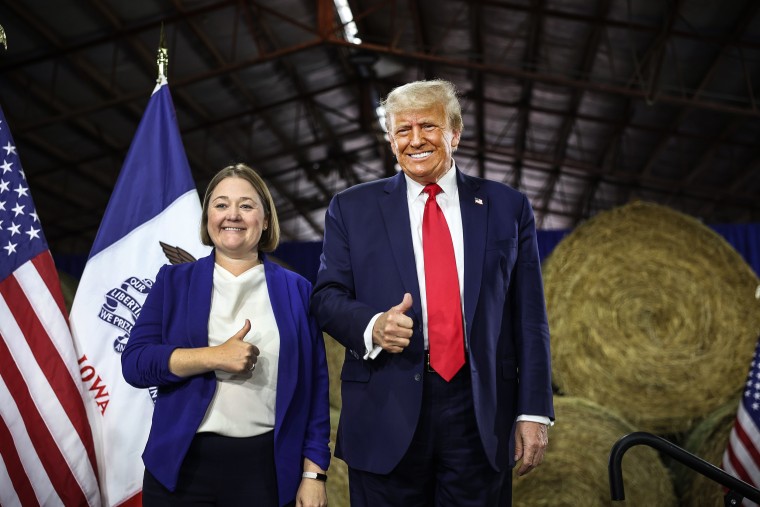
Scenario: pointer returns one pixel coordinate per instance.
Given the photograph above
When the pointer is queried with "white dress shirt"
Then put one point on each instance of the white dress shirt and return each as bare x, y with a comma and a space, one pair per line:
243, 404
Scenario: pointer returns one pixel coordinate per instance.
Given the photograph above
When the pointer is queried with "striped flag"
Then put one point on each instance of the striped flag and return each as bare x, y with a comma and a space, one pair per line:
46, 448
742, 456
154, 209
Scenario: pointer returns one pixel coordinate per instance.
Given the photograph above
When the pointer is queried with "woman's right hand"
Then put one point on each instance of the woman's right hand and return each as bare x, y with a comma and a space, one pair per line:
237, 355
233, 356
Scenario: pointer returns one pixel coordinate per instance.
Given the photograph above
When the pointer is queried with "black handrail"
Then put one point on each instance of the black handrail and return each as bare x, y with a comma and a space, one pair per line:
695, 463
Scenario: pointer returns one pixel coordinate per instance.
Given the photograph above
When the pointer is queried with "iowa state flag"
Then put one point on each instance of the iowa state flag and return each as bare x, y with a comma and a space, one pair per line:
46, 449
154, 208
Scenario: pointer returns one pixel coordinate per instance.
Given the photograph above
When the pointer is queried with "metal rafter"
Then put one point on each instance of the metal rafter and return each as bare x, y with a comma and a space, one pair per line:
529, 62
589, 55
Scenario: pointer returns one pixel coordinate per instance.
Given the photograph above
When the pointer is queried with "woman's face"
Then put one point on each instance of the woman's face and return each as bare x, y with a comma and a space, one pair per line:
236, 218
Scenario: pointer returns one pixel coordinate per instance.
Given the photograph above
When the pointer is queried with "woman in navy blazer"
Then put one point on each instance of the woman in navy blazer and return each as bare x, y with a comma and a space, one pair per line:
225, 431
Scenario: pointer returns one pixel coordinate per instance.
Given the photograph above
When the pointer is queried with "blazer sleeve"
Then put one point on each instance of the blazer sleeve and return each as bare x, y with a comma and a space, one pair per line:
333, 300
145, 360
531, 327
318, 426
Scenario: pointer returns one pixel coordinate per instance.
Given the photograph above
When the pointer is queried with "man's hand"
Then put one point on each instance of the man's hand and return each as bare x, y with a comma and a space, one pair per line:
393, 329
531, 439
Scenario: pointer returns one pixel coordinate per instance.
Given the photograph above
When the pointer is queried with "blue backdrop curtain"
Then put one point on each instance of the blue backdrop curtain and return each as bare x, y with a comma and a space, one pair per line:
303, 257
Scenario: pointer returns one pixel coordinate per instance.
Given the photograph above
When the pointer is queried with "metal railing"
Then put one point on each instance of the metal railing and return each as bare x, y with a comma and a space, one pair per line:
737, 489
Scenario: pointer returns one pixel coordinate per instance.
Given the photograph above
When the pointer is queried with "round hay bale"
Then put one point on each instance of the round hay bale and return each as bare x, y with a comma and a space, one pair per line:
707, 440
335, 357
652, 314
574, 471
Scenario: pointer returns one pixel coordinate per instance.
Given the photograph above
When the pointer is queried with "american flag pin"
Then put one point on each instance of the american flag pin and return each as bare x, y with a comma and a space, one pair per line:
478, 200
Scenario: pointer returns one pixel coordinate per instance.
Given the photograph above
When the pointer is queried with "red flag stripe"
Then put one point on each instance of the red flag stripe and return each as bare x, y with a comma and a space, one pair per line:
133, 501
749, 448
739, 471
748, 424
21, 484
57, 468
45, 351
46, 268
43, 443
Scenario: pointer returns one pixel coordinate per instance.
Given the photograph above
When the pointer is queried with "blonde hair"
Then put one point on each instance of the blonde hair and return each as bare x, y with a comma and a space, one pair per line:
424, 94
270, 237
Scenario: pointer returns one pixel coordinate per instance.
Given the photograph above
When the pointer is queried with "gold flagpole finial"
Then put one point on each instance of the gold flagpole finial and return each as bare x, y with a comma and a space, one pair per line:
163, 57
3, 38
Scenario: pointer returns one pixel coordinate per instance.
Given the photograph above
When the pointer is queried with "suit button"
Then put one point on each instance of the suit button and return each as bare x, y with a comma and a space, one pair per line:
417, 377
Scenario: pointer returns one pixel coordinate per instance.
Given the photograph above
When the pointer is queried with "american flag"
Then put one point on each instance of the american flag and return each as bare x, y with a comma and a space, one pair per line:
742, 456
46, 449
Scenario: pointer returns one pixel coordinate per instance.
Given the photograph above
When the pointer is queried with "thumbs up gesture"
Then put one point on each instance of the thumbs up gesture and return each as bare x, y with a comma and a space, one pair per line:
393, 329
237, 355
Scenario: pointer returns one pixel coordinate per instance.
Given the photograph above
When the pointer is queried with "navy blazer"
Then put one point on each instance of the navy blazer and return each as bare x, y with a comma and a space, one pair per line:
175, 315
367, 265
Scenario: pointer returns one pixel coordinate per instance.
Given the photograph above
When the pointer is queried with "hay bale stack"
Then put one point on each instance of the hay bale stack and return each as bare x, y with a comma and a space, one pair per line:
651, 314
335, 356
574, 471
707, 440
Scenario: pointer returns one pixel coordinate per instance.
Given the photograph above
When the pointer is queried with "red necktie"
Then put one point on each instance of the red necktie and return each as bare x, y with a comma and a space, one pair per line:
444, 310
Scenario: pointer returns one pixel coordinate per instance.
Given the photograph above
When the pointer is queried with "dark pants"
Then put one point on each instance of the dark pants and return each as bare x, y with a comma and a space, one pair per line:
221, 471
445, 465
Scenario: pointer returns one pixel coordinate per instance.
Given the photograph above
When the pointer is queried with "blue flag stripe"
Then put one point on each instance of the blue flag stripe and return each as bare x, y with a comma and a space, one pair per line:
155, 173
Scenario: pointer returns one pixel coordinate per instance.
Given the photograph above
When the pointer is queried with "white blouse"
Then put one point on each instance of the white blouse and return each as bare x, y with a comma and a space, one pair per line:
243, 404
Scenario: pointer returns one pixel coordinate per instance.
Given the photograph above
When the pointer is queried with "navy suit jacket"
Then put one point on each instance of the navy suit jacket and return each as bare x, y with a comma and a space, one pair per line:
367, 265
175, 315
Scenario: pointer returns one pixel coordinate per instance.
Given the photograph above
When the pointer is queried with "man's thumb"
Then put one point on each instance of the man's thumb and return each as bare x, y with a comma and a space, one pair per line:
406, 303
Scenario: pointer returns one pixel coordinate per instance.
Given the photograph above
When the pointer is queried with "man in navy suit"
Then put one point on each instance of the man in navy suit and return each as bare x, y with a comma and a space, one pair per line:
415, 430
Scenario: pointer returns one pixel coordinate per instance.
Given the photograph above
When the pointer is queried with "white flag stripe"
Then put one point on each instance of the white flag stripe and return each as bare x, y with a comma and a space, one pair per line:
43, 490
8, 496
48, 405
742, 455
163, 226
750, 428
729, 468
46, 309
123, 257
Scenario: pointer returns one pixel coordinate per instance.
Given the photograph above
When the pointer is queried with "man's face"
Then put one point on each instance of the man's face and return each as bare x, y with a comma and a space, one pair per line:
423, 142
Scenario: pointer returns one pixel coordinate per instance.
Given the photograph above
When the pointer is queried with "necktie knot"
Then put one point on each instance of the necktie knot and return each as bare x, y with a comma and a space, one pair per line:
432, 190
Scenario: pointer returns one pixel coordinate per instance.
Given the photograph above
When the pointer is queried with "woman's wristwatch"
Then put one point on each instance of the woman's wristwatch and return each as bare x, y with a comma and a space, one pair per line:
315, 475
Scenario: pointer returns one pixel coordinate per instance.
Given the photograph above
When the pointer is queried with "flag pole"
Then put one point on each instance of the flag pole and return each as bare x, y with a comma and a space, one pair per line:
3, 38
162, 60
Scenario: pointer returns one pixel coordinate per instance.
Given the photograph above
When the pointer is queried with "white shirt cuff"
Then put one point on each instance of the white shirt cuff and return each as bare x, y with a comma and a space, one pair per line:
371, 351
536, 418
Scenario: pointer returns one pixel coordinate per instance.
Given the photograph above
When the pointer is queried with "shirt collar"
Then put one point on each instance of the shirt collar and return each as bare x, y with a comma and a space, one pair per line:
447, 182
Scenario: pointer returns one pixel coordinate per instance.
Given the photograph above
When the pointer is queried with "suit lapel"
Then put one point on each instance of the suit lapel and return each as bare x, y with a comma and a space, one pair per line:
474, 208
395, 212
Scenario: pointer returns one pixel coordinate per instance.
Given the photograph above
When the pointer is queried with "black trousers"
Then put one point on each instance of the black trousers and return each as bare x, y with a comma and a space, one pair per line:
445, 465
222, 471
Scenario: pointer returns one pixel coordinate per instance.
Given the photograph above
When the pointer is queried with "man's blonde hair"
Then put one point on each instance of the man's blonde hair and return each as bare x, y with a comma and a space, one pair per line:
422, 95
